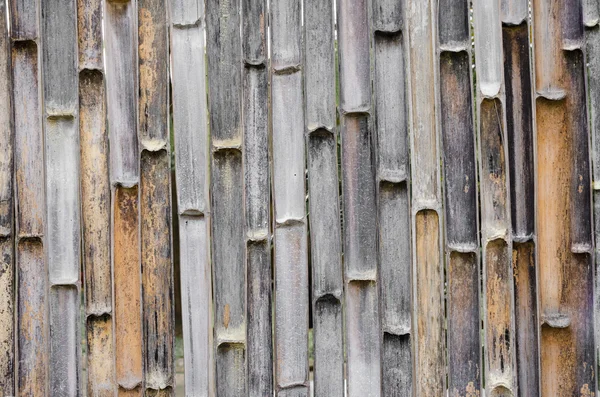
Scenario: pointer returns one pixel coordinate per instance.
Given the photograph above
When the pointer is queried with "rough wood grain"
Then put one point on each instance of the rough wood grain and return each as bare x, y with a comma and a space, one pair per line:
157, 270
230, 370
24, 20
120, 39
100, 351
547, 48
387, 16
254, 32
453, 25
329, 350
7, 315
89, 30
32, 318
514, 12
127, 288
64, 340
286, 35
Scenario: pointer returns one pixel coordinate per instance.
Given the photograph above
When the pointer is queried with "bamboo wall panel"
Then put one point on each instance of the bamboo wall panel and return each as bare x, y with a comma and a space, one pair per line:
7, 230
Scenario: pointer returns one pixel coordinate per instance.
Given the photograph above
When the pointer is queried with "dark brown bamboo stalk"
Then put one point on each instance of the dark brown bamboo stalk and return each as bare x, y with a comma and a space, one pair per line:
7, 230
259, 361
460, 200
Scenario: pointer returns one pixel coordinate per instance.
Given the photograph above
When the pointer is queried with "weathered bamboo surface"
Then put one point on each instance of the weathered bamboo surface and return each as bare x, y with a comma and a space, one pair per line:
373, 197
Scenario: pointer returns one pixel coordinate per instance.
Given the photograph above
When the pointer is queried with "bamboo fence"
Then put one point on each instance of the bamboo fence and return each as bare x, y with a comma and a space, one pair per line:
372, 197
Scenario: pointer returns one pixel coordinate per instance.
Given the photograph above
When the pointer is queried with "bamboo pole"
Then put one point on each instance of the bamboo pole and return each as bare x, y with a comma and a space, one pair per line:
460, 200
120, 20
519, 133
155, 199
363, 333
323, 188
7, 233
96, 204
428, 277
255, 122
31, 267
224, 53
59, 64
563, 201
290, 232
191, 164
392, 176
498, 286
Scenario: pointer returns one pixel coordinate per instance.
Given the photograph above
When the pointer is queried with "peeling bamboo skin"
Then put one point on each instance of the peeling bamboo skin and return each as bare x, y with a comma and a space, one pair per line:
127, 290
89, 30
7, 307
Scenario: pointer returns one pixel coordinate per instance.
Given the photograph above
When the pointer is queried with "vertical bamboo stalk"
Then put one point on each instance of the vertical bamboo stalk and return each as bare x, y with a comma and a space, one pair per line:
393, 198
224, 53
323, 188
519, 133
32, 271
95, 199
428, 276
563, 202
59, 48
120, 20
499, 348
155, 198
191, 164
7, 233
460, 200
290, 233
259, 358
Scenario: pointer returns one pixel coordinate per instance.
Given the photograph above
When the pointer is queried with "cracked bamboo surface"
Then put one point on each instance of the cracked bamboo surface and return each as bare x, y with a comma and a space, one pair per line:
563, 202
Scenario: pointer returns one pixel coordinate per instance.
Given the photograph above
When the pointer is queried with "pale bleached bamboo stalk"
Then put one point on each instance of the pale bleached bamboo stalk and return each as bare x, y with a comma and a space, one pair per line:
428, 276
224, 53
563, 202
289, 200
191, 165
59, 65
32, 271
7, 232
519, 132
120, 33
392, 176
496, 236
95, 200
259, 357
363, 333
155, 199
323, 188
460, 200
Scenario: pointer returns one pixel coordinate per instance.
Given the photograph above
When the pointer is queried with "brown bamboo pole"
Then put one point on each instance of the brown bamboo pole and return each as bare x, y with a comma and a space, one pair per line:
224, 53
120, 19
96, 202
563, 201
31, 267
393, 194
428, 276
519, 132
289, 201
7, 232
460, 200
323, 189
255, 101
191, 164
155, 199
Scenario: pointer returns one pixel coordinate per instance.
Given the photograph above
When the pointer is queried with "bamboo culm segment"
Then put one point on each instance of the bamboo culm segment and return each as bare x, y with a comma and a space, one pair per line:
7, 230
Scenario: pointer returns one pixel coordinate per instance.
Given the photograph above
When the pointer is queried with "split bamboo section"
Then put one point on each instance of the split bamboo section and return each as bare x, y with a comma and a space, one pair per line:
362, 198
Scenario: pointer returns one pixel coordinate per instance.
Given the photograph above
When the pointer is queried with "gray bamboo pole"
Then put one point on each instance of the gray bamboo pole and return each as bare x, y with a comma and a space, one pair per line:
519, 133
95, 200
460, 200
392, 176
323, 188
120, 19
563, 200
255, 122
498, 287
428, 276
59, 65
191, 165
31, 267
7, 232
155, 199
224, 53
290, 231
363, 335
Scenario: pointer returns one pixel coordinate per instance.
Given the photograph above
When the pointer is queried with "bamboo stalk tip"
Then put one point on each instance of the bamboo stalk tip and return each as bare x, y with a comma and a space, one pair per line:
556, 320
552, 94
490, 90
581, 248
